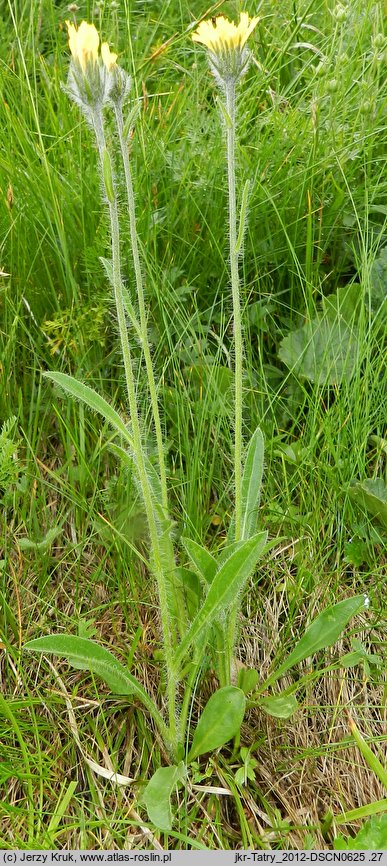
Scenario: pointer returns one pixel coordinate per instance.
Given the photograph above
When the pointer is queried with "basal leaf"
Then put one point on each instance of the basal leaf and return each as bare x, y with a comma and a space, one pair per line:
85, 654
191, 589
322, 632
219, 722
157, 794
201, 558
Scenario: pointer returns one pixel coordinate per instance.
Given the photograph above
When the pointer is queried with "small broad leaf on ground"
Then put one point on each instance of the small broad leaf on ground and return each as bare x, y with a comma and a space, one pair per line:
357, 551
247, 679
371, 495
322, 351
42, 546
157, 794
279, 706
219, 722
322, 632
371, 837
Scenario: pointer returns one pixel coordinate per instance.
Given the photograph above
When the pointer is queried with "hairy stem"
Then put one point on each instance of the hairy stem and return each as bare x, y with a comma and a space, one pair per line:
141, 302
157, 566
226, 667
236, 305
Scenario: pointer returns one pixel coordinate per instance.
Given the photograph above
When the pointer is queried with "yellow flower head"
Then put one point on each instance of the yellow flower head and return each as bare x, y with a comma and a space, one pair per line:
108, 57
84, 43
94, 78
226, 43
223, 35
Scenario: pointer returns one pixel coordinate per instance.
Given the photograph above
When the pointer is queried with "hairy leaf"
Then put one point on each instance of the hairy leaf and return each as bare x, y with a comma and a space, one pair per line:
219, 722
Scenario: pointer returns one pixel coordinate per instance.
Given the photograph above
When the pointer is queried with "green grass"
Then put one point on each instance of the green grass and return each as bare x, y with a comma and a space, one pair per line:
312, 140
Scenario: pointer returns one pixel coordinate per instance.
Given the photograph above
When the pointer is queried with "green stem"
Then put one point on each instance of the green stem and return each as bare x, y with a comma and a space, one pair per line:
137, 443
238, 345
144, 339
141, 302
236, 305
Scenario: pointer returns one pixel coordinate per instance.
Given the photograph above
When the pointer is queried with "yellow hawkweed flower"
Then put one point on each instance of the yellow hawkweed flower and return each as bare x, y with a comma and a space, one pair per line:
223, 35
226, 42
84, 43
108, 57
94, 78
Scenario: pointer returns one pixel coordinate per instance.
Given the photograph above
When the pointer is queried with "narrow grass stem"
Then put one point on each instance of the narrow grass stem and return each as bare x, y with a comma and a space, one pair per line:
166, 623
141, 302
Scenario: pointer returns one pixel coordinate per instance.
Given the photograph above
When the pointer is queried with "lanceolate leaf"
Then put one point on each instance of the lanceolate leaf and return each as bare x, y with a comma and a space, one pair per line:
251, 484
93, 400
85, 654
201, 558
219, 722
227, 583
323, 632
251, 487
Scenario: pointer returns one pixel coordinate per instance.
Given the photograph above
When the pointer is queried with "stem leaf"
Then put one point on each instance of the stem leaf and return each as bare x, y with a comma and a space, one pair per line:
225, 587
130, 311
251, 487
225, 115
108, 176
94, 401
242, 217
201, 558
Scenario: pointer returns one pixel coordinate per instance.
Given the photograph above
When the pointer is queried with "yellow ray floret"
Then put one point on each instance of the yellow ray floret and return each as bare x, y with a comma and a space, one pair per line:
108, 57
83, 42
223, 35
